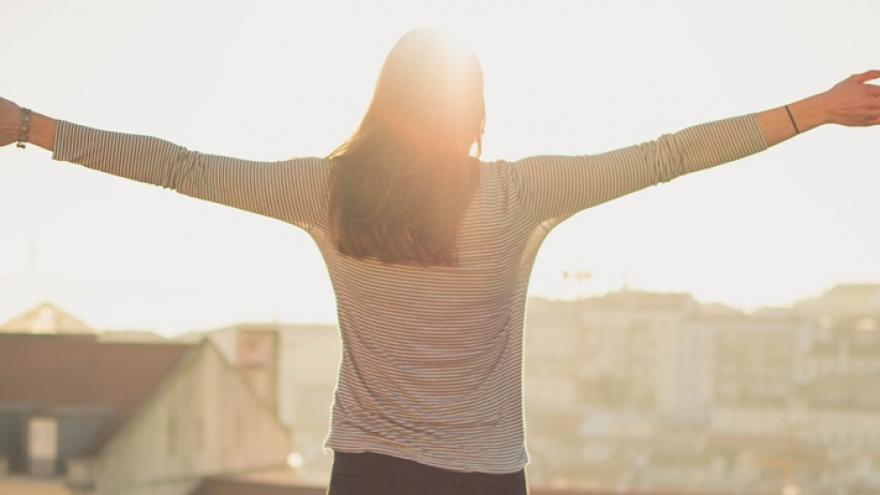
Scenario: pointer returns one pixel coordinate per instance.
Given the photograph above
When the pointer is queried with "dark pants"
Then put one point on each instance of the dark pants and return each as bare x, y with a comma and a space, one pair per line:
369, 473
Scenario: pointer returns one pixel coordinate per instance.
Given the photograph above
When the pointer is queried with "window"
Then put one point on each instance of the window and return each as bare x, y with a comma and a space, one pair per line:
42, 444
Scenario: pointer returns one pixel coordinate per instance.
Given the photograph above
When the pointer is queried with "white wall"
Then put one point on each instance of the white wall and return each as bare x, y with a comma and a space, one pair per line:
203, 420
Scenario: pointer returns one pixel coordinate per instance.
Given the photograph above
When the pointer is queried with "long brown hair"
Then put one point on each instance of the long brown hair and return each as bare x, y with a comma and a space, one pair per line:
401, 183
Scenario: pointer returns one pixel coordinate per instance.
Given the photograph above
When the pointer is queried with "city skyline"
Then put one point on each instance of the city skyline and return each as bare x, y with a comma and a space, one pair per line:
642, 392
577, 294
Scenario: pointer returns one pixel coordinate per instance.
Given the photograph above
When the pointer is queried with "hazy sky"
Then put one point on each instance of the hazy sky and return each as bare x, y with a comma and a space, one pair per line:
270, 80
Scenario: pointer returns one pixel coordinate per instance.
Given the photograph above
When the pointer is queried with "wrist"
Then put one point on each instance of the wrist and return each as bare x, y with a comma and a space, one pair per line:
810, 112
42, 131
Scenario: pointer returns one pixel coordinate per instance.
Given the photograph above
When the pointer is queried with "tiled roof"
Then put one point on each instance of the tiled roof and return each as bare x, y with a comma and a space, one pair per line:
55, 371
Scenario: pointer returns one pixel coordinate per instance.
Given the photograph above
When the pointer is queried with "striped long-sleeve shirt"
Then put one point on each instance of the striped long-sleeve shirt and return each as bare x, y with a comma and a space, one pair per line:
431, 365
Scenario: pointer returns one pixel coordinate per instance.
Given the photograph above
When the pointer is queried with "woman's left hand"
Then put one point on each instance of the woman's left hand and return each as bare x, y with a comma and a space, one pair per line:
854, 102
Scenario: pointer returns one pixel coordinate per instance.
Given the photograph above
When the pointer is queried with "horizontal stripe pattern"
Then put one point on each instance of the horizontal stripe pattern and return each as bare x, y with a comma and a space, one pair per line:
431, 366
552, 188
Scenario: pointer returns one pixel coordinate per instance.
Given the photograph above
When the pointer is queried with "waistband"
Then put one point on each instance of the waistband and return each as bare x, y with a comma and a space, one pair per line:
375, 463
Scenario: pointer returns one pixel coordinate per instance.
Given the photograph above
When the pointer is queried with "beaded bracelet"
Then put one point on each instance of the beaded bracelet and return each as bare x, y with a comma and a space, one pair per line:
24, 131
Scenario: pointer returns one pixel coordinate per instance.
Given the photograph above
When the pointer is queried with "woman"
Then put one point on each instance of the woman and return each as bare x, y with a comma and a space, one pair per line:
429, 249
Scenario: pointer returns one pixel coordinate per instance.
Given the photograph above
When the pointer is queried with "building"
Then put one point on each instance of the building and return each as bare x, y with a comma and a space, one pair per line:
596, 372
295, 367
683, 375
843, 300
101, 418
46, 318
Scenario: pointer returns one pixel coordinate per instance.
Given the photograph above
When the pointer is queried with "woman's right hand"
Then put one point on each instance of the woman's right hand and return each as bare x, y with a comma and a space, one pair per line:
853, 102
10, 122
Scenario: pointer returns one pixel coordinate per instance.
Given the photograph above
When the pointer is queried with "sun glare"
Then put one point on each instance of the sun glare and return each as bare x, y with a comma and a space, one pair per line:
559, 78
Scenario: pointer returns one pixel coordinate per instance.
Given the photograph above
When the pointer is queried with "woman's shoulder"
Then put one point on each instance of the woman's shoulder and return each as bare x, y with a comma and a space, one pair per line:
495, 167
497, 179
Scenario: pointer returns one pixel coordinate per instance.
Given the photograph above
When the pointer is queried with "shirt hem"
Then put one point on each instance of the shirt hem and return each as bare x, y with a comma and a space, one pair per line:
419, 458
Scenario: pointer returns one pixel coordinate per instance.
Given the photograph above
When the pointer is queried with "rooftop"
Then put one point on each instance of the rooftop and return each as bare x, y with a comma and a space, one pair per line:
53, 372
45, 318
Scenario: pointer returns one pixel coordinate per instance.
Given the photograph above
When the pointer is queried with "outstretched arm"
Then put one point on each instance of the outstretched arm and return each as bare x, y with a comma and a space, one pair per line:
551, 188
290, 190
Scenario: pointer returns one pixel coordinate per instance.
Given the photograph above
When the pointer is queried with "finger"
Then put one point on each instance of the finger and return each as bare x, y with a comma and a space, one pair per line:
866, 76
872, 98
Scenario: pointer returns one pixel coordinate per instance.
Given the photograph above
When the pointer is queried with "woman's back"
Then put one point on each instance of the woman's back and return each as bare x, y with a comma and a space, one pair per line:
431, 361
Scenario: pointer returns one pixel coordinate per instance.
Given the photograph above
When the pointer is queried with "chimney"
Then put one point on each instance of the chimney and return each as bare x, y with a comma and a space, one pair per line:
257, 358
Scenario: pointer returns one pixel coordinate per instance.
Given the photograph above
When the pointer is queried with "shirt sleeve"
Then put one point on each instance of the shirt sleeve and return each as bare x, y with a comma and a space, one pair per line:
291, 190
552, 188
